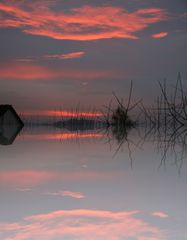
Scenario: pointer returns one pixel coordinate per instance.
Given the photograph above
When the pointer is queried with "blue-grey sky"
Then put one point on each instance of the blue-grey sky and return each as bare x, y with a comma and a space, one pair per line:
57, 53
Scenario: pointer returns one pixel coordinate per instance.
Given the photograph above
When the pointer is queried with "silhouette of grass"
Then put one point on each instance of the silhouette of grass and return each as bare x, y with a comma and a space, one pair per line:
117, 119
166, 122
170, 110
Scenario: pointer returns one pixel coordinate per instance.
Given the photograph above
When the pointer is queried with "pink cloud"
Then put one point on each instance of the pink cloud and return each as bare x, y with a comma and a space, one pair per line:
160, 214
25, 72
85, 23
27, 179
77, 195
160, 35
81, 224
30, 71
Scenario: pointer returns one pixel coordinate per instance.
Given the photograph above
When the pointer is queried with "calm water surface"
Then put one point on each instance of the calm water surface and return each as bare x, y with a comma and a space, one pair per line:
56, 186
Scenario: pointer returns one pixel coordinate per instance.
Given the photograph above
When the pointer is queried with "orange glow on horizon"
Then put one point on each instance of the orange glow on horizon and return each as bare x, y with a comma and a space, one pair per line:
73, 136
52, 113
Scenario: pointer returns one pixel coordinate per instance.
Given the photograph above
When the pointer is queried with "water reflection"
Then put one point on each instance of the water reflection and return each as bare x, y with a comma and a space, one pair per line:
83, 223
62, 136
58, 184
8, 134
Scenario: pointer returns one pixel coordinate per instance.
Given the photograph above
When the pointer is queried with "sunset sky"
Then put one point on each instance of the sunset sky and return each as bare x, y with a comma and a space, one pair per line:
63, 52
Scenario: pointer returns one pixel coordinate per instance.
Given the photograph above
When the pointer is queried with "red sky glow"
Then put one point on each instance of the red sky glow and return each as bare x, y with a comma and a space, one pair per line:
30, 71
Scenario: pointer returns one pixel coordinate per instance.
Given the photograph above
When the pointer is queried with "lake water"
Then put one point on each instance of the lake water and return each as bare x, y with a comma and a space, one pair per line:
67, 185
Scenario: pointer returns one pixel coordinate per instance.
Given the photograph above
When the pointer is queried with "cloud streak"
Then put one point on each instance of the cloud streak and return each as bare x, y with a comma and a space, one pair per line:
160, 35
72, 55
85, 23
77, 195
160, 214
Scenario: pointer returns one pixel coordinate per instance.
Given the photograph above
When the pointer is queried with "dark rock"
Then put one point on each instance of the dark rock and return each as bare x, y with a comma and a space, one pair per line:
10, 124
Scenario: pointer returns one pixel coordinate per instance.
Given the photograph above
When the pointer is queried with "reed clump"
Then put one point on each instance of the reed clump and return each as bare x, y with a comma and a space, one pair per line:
121, 123
119, 116
118, 120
